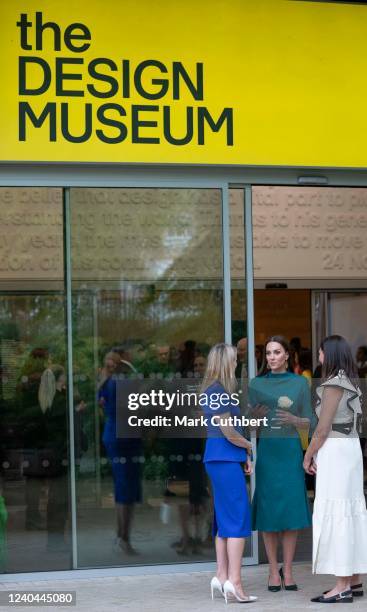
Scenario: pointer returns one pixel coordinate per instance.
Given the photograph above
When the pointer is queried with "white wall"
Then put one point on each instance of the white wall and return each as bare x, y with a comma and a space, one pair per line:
348, 317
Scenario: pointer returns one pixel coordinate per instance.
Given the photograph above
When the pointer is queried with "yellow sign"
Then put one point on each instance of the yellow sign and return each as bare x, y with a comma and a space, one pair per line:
263, 82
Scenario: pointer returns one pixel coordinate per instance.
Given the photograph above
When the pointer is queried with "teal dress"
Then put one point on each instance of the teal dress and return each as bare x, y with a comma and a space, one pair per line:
280, 501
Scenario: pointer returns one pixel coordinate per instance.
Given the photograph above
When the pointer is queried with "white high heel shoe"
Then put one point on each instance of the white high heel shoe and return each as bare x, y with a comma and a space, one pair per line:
228, 587
216, 584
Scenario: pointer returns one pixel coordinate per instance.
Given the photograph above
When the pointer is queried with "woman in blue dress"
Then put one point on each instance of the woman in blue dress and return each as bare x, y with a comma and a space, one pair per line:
123, 453
225, 453
280, 504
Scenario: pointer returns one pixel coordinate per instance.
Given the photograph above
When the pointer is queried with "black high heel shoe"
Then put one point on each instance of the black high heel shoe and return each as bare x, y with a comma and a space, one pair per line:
275, 588
287, 587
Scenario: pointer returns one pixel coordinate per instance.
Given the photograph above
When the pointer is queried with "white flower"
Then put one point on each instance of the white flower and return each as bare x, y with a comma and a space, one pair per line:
284, 402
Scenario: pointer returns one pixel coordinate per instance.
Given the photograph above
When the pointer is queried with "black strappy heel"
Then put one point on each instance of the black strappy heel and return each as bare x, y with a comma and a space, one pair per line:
357, 590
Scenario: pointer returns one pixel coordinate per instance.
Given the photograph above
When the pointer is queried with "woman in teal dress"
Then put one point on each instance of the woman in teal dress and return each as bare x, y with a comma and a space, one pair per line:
280, 504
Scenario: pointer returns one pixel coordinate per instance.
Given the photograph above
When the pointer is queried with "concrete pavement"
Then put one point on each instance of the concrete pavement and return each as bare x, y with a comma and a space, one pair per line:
179, 592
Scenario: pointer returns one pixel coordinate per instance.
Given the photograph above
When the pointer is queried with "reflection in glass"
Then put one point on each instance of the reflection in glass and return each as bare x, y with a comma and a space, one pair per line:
33, 406
147, 302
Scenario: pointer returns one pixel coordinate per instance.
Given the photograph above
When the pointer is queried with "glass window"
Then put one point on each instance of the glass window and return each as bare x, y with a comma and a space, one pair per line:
147, 287
34, 502
313, 233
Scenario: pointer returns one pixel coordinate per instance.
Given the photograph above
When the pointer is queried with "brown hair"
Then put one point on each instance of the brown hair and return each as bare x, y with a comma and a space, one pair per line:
285, 344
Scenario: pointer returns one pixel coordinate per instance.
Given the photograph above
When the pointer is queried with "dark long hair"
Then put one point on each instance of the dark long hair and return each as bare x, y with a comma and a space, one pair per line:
338, 356
285, 344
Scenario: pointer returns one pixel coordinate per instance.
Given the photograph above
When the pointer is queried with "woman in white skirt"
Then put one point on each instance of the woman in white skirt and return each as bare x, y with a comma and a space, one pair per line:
340, 515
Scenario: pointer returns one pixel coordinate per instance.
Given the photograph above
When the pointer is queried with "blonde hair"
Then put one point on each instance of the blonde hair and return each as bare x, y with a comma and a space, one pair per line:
47, 388
221, 367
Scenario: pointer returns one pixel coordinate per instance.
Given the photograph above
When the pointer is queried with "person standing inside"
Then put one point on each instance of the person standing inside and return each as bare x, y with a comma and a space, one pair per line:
123, 454
334, 454
225, 452
280, 504
361, 359
242, 367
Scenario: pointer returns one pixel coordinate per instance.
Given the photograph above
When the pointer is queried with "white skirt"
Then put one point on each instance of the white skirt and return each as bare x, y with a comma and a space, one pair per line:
340, 516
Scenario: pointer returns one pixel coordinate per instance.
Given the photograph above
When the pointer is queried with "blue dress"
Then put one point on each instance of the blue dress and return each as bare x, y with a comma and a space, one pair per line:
223, 463
123, 453
280, 500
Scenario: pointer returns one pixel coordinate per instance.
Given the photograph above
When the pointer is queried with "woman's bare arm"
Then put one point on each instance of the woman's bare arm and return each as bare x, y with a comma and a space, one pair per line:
330, 401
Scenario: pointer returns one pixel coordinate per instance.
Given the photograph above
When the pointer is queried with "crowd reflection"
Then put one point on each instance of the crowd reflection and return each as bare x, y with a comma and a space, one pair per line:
173, 465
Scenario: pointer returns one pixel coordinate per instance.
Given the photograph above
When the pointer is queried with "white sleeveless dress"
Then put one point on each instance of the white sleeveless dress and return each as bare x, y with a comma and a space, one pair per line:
340, 516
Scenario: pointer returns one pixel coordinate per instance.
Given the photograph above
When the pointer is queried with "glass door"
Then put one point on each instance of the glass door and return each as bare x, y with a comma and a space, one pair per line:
154, 278
147, 305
